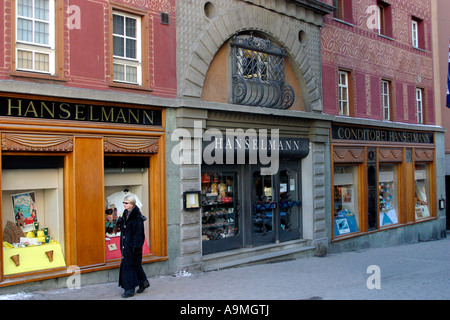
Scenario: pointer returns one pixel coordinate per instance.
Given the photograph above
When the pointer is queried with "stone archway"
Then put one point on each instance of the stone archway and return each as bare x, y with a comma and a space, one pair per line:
285, 30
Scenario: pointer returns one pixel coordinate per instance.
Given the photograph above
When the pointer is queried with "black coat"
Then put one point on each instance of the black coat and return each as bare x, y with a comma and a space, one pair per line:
132, 239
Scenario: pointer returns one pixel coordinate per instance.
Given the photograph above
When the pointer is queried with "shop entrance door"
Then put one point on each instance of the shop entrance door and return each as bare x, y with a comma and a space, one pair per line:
276, 204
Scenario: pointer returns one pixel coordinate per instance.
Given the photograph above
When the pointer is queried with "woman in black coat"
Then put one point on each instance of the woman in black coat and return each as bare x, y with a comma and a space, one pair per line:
132, 238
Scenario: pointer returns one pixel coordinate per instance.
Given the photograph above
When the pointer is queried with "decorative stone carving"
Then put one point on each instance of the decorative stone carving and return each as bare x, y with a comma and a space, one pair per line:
130, 145
352, 155
390, 155
36, 142
423, 154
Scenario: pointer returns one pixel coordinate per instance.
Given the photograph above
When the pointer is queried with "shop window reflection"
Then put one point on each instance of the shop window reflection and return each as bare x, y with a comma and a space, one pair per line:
346, 200
422, 189
388, 194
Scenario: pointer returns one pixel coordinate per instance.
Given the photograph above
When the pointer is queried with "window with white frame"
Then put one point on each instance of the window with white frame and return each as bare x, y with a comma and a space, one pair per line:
35, 36
385, 100
419, 105
415, 33
343, 93
127, 64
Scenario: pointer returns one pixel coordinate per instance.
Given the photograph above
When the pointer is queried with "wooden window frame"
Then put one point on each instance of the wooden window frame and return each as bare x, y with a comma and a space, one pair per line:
417, 35
384, 19
348, 74
420, 116
56, 46
387, 95
344, 10
144, 83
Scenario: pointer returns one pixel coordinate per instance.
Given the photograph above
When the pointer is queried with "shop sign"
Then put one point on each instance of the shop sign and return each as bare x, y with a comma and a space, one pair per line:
287, 148
236, 146
47, 109
380, 135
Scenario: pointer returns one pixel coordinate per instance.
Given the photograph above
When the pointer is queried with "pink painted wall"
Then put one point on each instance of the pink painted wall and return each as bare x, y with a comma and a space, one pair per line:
87, 50
371, 58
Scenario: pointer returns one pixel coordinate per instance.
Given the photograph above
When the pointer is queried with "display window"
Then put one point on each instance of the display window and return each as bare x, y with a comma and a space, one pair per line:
32, 213
219, 204
124, 176
422, 190
388, 194
346, 199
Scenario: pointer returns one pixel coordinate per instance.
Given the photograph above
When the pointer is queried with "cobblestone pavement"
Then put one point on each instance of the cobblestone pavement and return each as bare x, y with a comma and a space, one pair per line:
419, 271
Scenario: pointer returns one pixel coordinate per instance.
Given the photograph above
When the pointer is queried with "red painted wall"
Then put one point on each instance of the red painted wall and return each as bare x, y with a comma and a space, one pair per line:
355, 46
87, 49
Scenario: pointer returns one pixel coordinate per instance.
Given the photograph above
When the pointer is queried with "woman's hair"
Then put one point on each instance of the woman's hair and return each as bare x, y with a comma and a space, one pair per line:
130, 198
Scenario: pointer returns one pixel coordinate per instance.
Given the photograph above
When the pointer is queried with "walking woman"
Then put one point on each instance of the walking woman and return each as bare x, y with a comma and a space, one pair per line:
132, 238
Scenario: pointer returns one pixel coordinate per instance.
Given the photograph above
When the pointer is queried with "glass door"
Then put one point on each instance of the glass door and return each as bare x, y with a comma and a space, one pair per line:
276, 205
289, 202
263, 208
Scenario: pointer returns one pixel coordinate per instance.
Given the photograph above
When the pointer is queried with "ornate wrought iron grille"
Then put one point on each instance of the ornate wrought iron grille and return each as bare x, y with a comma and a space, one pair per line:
258, 74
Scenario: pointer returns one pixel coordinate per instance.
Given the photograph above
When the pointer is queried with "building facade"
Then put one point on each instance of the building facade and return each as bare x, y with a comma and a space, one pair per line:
386, 147
84, 86
249, 131
250, 137
441, 56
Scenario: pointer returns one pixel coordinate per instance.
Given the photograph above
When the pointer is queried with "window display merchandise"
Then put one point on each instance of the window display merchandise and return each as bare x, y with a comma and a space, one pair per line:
220, 212
388, 194
421, 191
33, 223
124, 176
345, 200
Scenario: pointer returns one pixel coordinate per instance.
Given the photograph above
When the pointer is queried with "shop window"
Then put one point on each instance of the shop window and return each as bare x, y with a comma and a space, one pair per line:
32, 213
124, 176
35, 36
346, 200
388, 194
220, 206
422, 190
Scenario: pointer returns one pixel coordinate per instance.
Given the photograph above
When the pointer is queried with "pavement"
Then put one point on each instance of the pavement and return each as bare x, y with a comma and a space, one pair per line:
419, 271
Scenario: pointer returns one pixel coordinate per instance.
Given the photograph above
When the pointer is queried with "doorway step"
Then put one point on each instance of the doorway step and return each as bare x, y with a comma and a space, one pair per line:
284, 251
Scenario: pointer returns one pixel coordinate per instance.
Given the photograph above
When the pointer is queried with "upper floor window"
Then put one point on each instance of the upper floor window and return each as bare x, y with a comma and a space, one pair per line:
259, 74
417, 33
343, 93
384, 18
35, 36
343, 10
419, 105
385, 100
127, 64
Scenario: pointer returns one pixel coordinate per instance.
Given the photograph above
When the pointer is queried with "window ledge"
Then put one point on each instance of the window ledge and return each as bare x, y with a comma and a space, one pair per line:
385, 37
38, 76
130, 86
343, 22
